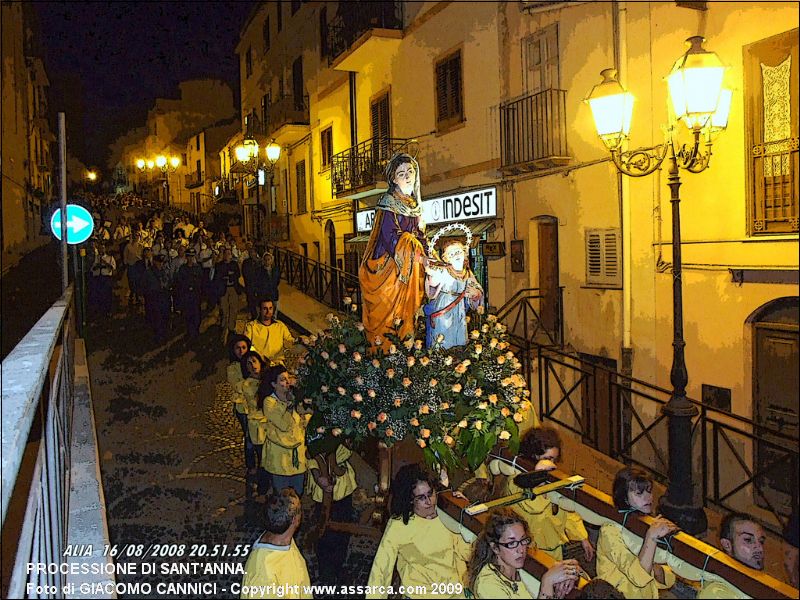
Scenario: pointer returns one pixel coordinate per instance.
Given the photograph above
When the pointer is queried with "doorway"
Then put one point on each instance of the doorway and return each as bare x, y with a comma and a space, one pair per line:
548, 273
776, 389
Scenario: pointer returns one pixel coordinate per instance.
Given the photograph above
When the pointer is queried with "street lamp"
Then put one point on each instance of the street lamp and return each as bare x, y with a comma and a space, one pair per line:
249, 162
700, 103
167, 166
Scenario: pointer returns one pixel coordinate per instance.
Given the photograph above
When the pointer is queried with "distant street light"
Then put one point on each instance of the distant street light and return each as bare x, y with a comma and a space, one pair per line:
166, 164
698, 100
250, 163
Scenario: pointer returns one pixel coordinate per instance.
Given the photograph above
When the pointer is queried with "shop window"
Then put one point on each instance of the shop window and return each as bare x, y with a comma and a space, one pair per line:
771, 115
449, 91
603, 257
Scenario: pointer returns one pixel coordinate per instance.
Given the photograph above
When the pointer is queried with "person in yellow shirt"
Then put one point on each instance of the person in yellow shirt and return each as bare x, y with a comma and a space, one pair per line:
284, 453
270, 337
742, 538
333, 474
624, 560
499, 553
551, 525
238, 346
427, 554
275, 568
253, 368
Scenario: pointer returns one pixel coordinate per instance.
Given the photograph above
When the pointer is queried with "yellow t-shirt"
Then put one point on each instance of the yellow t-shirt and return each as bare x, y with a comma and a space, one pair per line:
426, 553
233, 379
345, 484
270, 341
549, 531
491, 583
284, 451
271, 567
713, 590
255, 426
619, 564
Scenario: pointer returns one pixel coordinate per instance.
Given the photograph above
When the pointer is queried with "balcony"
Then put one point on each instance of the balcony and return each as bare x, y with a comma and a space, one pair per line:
360, 168
533, 132
288, 119
195, 180
362, 24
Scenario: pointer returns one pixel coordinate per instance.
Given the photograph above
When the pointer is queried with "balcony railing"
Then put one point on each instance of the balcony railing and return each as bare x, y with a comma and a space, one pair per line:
353, 19
533, 132
195, 180
362, 165
289, 110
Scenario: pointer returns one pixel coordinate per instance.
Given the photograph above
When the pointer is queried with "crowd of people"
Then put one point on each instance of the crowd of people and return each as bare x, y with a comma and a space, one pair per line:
175, 265
427, 554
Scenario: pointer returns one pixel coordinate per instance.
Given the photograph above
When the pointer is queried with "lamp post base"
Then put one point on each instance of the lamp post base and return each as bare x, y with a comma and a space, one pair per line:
691, 519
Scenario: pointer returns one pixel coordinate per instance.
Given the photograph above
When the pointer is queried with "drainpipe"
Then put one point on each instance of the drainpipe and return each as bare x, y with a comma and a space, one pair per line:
353, 133
620, 26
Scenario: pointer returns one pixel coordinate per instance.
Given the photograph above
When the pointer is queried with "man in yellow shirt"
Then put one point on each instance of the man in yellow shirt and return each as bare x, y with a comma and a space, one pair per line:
743, 539
275, 567
270, 337
430, 558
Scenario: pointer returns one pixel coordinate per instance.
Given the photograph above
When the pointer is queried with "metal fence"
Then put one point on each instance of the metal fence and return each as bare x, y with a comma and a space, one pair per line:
37, 399
322, 282
353, 19
362, 165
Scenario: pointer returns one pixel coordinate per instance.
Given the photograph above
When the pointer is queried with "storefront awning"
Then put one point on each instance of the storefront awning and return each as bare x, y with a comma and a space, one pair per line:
478, 227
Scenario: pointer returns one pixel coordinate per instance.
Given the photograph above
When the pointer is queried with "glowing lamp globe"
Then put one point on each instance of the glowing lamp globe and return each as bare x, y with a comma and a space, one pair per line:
612, 109
695, 83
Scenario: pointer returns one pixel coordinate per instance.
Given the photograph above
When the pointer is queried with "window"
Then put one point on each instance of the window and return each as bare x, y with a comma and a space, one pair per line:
323, 32
197, 142
265, 102
279, 21
300, 172
381, 126
183, 158
199, 170
449, 91
326, 147
771, 110
603, 250
248, 62
540, 60
266, 35
298, 83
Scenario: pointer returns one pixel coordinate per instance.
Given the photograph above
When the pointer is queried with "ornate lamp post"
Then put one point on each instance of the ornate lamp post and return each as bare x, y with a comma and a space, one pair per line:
167, 166
249, 162
698, 100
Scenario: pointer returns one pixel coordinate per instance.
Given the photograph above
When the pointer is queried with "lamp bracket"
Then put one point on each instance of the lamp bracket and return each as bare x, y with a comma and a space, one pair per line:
639, 162
691, 158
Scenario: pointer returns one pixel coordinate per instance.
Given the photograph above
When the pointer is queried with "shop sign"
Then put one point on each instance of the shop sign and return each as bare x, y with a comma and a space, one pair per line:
462, 206
493, 249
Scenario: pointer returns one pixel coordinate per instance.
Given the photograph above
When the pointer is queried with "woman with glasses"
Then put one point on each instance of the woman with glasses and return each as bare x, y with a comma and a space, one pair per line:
499, 553
427, 554
552, 526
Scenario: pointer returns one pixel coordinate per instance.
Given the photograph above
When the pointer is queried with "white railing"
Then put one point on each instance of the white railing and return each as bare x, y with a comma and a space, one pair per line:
37, 401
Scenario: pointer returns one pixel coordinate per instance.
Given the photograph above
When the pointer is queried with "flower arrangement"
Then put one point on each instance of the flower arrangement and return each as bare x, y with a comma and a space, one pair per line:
457, 403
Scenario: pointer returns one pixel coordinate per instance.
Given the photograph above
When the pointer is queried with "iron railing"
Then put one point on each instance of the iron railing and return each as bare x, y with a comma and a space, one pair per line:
322, 282
353, 19
37, 397
288, 110
362, 165
533, 131
622, 417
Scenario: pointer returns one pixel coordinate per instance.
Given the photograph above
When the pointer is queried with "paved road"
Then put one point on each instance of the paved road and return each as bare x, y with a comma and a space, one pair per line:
171, 456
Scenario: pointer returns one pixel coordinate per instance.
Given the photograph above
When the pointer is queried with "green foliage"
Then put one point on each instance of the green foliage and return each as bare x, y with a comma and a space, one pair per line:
458, 403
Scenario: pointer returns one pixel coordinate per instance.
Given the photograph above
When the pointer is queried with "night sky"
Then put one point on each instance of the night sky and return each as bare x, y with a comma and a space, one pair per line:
108, 61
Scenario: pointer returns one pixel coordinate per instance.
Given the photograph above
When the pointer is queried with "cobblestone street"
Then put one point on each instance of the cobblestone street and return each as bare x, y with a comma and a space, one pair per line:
171, 458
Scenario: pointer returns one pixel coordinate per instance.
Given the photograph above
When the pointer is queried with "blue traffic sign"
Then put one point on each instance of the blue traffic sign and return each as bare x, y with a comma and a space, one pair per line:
80, 224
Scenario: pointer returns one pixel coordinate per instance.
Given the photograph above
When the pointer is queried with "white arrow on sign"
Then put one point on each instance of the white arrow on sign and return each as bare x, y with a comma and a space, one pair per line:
75, 223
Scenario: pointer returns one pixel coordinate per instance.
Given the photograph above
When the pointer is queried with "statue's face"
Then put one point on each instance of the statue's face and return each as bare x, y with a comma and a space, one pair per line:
455, 255
405, 177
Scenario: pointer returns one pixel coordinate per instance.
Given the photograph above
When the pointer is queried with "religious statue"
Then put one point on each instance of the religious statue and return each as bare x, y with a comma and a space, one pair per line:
392, 270
451, 288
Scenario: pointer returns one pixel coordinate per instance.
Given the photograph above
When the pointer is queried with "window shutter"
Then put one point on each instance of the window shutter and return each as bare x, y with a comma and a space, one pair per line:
381, 127
449, 94
603, 252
